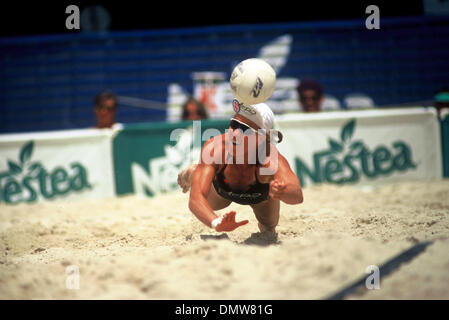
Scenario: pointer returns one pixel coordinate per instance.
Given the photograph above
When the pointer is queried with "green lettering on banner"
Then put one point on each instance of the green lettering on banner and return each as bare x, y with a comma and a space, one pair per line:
332, 169
27, 184
44, 184
59, 182
25, 180
382, 160
3, 177
303, 171
315, 175
355, 176
403, 160
337, 163
365, 158
11, 190
79, 180
319, 162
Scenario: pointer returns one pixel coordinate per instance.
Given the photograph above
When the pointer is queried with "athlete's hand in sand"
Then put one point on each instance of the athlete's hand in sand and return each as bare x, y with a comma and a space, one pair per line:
277, 189
228, 223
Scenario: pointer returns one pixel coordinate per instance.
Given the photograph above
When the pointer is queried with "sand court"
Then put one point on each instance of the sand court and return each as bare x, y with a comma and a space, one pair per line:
153, 248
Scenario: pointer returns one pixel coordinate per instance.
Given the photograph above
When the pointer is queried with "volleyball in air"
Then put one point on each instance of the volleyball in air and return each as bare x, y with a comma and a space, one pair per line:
253, 81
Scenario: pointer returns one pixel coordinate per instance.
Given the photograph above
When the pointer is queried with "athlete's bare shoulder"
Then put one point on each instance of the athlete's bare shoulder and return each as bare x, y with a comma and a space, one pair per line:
213, 151
216, 139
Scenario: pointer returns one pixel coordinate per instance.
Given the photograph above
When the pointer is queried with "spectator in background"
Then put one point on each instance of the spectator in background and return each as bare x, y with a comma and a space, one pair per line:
441, 99
105, 110
193, 109
310, 95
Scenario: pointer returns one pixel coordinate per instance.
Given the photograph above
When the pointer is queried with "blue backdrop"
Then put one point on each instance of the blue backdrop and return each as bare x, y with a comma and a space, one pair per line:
49, 82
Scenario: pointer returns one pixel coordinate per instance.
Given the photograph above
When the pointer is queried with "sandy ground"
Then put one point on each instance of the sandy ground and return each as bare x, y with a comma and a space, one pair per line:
153, 248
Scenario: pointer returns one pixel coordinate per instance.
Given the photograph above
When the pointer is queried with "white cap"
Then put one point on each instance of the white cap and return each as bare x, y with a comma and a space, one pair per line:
260, 113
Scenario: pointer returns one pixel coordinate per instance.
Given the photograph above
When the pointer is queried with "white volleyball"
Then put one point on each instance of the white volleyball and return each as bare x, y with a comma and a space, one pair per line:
253, 81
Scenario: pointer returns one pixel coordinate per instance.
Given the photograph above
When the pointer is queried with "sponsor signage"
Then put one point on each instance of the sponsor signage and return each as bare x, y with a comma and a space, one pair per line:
72, 164
363, 147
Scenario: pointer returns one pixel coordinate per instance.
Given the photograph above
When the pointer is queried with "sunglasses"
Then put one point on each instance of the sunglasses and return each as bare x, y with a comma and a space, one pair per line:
236, 124
247, 130
314, 98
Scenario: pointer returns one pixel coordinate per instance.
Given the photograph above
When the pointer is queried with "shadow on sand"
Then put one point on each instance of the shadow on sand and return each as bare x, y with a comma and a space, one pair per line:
222, 236
262, 239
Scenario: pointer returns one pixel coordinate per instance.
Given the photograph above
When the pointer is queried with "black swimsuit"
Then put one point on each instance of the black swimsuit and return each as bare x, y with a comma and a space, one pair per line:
256, 193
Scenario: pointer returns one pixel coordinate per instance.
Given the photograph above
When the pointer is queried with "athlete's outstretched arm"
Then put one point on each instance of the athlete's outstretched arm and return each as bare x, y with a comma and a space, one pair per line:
201, 182
286, 186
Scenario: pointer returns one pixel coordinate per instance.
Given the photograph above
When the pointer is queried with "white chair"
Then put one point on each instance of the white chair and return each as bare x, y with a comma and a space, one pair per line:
330, 103
358, 101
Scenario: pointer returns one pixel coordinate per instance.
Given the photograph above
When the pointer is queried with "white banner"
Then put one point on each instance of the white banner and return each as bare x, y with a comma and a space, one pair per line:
366, 147
69, 164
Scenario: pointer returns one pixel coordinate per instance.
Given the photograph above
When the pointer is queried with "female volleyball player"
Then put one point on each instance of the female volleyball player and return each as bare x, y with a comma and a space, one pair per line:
241, 166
